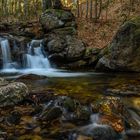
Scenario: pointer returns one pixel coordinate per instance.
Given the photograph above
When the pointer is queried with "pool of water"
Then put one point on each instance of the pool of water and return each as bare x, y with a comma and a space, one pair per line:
87, 87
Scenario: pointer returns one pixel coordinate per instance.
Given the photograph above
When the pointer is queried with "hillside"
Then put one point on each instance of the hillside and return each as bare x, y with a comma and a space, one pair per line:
99, 34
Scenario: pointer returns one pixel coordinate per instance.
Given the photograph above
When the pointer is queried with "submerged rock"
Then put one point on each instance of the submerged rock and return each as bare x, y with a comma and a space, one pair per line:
73, 111
99, 132
116, 114
123, 54
52, 114
12, 93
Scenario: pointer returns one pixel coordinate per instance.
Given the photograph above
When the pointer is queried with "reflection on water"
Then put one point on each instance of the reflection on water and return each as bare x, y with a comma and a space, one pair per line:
86, 87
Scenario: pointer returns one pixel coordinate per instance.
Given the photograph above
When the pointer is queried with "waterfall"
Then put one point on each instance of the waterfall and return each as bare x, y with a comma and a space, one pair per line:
6, 55
35, 57
35, 61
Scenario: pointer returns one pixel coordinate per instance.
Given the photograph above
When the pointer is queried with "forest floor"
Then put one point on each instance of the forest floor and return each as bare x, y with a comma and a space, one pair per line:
101, 33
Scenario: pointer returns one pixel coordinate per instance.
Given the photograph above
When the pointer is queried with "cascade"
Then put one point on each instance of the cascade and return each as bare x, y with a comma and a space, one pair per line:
35, 61
6, 55
35, 57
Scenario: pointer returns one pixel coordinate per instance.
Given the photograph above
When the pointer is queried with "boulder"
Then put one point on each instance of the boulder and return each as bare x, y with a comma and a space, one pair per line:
75, 49
51, 114
55, 18
65, 49
56, 45
36, 43
92, 56
99, 132
65, 31
12, 93
115, 113
123, 54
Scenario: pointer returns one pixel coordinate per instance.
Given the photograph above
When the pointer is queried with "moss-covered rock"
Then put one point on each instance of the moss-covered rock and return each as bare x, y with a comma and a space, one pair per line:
12, 93
123, 54
65, 31
56, 18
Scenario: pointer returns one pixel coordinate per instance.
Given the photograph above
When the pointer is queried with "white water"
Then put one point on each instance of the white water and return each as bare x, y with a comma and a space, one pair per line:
35, 57
6, 55
35, 62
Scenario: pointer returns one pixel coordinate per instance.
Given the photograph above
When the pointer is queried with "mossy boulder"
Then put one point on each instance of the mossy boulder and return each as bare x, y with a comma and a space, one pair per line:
56, 18
75, 49
123, 53
11, 93
65, 31
92, 56
66, 50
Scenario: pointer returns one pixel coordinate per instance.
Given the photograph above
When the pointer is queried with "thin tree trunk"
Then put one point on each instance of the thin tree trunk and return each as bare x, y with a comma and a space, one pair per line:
87, 4
78, 9
91, 8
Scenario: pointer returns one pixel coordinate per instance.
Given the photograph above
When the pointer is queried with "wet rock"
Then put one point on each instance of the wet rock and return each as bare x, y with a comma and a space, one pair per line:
12, 93
110, 109
81, 137
14, 118
82, 114
36, 43
3, 82
123, 53
68, 103
58, 58
133, 133
51, 114
30, 137
78, 64
73, 111
109, 106
99, 132
114, 121
116, 114
124, 90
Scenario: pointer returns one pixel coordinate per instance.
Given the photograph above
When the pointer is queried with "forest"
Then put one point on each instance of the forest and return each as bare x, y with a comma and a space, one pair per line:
69, 70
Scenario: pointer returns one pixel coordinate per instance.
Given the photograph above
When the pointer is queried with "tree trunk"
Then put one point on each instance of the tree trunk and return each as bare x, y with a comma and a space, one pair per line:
78, 9
87, 4
46, 4
91, 3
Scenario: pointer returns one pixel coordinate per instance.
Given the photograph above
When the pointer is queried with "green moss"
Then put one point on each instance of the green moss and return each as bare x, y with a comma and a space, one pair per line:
58, 12
136, 21
66, 31
137, 33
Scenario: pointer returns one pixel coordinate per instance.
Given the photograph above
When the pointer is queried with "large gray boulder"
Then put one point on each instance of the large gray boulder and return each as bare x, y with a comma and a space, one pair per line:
12, 93
56, 18
75, 49
68, 49
99, 132
123, 54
